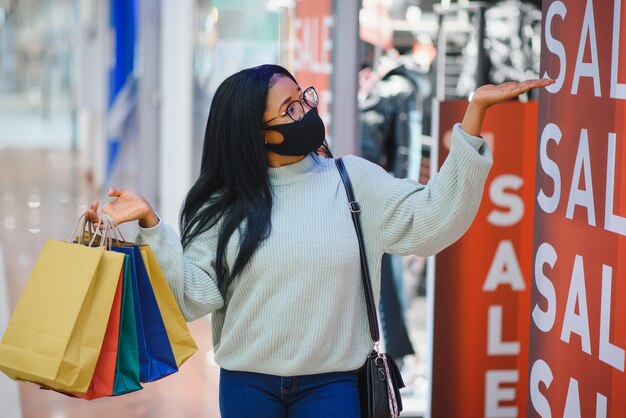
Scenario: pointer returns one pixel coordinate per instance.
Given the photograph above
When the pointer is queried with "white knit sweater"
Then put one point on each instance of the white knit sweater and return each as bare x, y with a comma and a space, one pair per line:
298, 307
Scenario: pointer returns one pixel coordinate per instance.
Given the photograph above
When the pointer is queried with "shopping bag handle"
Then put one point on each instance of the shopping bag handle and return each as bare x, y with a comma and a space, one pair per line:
83, 225
115, 227
108, 228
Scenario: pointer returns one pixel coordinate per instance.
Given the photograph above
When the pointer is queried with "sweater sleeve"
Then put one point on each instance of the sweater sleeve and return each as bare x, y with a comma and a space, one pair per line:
190, 272
424, 219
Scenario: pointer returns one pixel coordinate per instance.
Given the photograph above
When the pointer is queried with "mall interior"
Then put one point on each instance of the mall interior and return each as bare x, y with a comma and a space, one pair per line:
99, 93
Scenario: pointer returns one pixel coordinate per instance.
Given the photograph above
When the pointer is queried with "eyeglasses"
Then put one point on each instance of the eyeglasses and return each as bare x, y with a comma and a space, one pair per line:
295, 109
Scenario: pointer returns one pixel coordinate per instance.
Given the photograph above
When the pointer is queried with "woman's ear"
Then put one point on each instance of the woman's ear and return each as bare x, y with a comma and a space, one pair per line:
273, 137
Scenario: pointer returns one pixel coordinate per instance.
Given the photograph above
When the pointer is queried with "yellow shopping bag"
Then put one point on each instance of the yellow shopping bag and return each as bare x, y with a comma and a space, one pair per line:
178, 333
55, 334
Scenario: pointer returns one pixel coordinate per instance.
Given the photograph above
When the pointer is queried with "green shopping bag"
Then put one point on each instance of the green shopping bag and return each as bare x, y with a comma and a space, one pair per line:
127, 367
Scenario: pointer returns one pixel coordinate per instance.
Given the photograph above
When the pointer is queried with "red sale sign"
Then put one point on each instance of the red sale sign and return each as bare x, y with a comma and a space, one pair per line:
482, 282
578, 309
313, 51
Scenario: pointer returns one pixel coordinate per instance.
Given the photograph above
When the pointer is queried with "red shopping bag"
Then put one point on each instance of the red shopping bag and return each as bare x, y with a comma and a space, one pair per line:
104, 375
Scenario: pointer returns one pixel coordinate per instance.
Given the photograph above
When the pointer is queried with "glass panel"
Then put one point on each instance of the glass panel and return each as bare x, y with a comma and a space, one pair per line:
36, 73
229, 36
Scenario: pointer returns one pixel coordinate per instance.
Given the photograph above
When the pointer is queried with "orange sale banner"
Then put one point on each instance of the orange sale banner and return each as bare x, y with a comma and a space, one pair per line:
482, 282
313, 51
578, 309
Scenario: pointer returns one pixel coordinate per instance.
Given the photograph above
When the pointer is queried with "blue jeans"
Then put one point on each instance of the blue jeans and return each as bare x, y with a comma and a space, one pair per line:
328, 395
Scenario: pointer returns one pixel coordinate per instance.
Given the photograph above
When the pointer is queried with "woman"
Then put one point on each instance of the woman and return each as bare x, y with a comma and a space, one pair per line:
268, 245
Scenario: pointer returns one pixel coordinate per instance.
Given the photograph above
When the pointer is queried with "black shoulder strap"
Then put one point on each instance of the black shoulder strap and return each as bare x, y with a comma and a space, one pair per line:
355, 209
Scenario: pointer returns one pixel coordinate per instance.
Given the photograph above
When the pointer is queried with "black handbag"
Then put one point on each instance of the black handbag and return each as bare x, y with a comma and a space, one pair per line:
379, 378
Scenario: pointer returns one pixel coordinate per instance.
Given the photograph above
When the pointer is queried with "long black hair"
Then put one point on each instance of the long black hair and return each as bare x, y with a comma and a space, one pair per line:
233, 186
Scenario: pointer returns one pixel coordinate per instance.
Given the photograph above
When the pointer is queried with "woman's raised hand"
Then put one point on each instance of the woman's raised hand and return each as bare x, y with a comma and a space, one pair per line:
127, 206
490, 94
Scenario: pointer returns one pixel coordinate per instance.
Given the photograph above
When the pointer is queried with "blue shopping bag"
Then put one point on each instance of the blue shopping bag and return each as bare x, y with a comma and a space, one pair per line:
156, 358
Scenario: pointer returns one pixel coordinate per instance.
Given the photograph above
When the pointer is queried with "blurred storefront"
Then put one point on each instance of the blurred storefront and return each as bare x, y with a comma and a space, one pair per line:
300, 35
229, 36
120, 82
36, 73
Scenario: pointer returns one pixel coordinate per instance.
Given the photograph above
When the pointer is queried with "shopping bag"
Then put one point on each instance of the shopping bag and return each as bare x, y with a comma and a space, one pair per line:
161, 355
104, 374
178, 333
156, 359
127, 365
56, 331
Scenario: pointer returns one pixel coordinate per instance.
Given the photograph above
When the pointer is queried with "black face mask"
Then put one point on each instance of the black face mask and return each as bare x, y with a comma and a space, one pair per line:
301, 137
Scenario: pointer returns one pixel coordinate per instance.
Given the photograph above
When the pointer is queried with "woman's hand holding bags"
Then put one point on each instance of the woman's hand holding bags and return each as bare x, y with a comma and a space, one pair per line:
96, 318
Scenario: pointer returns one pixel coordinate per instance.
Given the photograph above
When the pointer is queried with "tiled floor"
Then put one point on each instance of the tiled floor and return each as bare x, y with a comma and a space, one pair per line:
41, 197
